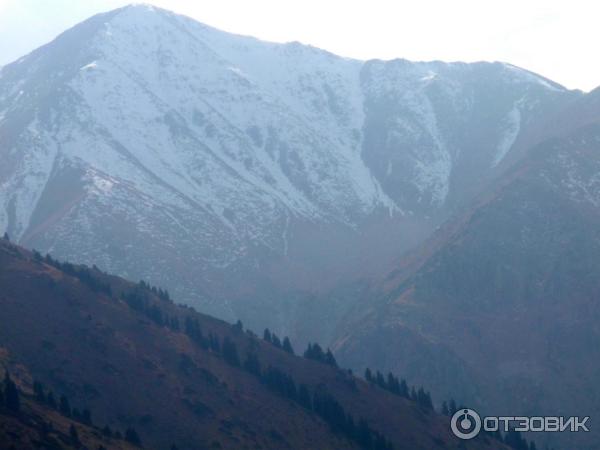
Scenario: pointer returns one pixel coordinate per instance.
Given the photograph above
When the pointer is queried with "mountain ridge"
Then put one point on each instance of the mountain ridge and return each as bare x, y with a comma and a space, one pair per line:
142, 136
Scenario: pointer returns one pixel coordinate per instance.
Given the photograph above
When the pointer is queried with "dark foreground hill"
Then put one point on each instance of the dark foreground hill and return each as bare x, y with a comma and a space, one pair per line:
132, 359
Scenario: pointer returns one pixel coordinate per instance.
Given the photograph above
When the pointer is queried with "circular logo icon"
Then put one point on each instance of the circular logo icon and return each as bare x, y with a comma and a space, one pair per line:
465, 424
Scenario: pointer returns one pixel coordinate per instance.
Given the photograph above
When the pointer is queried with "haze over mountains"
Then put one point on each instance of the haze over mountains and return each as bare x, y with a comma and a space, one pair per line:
436, 219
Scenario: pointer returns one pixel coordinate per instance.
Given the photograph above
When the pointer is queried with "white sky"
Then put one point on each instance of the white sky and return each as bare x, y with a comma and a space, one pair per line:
555, 38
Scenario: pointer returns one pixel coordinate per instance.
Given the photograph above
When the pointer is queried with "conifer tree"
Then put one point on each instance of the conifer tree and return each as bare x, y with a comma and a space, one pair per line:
393, 384
364, 434
252, 364
230, 353
213, 343
267, 336
50, 400
452, 408
380, 380
64, 406
239, 326
275, 340
132, 437
304, 397
404, 388
74, 434
287, 345
314, 352
413, 394
424, 399
38, 390
11, 394
86, 416
330, 359
194, 331
515, 440
445, 411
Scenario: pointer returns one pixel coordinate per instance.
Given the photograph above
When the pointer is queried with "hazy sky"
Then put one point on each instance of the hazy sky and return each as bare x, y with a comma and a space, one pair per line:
555, 38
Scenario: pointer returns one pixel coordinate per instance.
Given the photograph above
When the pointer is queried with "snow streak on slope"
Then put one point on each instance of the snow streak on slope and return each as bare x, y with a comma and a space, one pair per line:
31, 172
511, 131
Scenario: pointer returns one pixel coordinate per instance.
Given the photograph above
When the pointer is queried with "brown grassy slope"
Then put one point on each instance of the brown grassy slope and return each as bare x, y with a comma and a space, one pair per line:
129, 371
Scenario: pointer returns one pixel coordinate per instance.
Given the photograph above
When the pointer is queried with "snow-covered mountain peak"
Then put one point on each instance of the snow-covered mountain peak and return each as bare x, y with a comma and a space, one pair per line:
140, 125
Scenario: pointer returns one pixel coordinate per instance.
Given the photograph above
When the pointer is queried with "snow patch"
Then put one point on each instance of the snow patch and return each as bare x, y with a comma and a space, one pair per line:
89, 66
238, 72
523, 74
429, 77
511, 128
101, 184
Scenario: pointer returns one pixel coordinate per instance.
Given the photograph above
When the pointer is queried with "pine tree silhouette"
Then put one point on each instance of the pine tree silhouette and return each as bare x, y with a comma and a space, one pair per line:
50, 400
287, 345
452, 408
239, 326
86, 417
11, 394
267, 336
64, 406
275, 340
38, 390
329, 359
132, 437
252, 364
445, 411
230, 353
74, 434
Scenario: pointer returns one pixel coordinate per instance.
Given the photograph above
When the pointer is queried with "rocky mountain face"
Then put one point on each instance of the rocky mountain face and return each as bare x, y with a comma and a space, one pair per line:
501, 306
237, 172
137, 361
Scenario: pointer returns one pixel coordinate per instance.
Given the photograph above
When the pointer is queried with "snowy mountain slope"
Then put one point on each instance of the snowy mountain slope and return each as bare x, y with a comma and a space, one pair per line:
162, 148
436, 133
